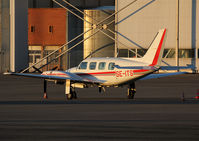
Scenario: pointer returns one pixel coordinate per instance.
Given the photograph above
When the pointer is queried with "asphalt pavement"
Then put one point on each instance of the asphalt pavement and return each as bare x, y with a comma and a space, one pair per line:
163, 109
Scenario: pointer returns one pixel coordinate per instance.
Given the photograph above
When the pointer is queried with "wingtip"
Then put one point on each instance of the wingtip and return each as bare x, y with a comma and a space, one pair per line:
7, 73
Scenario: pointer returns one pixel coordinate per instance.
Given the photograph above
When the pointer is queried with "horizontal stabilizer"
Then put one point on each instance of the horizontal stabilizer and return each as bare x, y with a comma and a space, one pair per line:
176, 67
151, 76
137, 67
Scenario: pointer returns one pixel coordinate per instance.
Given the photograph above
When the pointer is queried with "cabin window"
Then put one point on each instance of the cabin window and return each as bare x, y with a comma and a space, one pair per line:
111, 66
83, 65
92, 65
37, 58
31, 59
101, 65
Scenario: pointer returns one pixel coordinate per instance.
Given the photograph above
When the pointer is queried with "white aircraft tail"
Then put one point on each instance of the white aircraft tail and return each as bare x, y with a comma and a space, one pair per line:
154, 54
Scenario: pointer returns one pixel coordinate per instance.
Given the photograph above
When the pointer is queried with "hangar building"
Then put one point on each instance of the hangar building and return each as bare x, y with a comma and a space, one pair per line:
138, 24
24, 39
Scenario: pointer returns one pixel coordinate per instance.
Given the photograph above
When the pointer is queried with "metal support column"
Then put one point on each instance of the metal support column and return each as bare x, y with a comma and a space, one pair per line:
116, 29
177, 34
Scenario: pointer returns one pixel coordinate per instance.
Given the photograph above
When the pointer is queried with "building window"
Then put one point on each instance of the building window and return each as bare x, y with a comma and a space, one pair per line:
50, 29
186, 53
198, 53
141, 52
32, 29
169, 53
127, 53
123, 53
34, 52
34, 56
30, 59
183, 53
37, 58
132, 53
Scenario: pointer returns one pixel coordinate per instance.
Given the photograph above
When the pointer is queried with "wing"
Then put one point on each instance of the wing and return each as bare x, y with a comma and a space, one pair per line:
151, 76
65, 76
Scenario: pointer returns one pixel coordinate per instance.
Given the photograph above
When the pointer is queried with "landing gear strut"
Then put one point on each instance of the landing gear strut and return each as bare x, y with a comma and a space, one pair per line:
45, 90
131, 91
70, 91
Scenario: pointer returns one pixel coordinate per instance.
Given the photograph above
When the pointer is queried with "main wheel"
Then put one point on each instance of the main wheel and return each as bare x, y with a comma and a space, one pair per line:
74, 95
69, 96
131, 96
131, 93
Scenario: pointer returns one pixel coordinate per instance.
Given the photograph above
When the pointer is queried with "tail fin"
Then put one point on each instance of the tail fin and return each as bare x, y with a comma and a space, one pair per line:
154, 54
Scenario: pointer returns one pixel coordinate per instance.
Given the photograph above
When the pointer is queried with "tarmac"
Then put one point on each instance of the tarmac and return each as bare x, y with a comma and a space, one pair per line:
163, 109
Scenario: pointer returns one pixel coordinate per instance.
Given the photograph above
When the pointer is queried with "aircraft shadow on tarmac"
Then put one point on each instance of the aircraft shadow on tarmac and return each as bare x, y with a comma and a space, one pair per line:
105, 101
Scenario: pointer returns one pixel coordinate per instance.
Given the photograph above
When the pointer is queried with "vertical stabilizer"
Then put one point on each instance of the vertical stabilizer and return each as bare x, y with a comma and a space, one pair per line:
154, 54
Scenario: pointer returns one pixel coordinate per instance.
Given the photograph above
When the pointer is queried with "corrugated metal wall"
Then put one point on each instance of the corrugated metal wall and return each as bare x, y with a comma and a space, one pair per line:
141, 21
99, 40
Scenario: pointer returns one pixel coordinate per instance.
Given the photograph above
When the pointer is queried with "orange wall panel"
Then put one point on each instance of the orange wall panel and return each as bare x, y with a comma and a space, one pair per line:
41, 19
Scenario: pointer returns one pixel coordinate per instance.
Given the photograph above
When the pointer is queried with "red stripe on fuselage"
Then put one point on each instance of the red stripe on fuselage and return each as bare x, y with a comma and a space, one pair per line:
108, 73
98, 73
155, 60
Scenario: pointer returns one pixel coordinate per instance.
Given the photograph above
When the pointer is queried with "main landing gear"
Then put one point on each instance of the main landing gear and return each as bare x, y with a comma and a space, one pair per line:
70, 91
72, 94
131, 91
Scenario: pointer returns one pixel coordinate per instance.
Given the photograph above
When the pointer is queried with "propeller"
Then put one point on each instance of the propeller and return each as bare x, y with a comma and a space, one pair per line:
36, 69
54, 68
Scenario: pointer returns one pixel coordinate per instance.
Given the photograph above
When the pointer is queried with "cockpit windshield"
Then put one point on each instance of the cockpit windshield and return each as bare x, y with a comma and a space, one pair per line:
83, 66
111, 66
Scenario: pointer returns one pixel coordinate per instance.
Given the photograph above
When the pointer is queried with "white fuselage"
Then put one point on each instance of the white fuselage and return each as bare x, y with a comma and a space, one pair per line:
116, 71
106, 70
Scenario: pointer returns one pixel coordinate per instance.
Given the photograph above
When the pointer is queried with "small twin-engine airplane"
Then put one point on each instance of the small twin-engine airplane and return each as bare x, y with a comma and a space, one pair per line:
106, 72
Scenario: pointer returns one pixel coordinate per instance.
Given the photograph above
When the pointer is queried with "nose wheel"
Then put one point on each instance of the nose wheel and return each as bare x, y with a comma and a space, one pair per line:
131, 91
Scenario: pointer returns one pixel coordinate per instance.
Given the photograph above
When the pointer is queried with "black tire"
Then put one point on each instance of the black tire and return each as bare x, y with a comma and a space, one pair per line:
131, 94
74, 95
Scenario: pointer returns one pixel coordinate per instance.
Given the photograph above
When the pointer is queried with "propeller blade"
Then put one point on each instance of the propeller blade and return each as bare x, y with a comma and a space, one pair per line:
55, 68
36, 69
